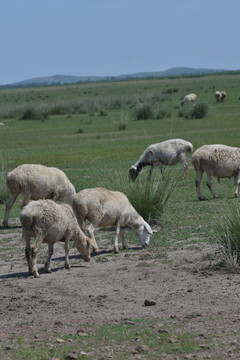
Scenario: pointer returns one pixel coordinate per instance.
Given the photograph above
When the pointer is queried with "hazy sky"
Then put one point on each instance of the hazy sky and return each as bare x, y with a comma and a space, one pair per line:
115, 37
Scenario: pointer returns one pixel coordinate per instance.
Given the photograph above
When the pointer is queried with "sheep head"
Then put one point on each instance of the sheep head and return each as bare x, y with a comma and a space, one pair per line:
133, 173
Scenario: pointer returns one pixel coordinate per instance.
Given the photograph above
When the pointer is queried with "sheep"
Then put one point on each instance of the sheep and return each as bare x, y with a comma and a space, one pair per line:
217, 160
102, 207
1, 124
36, 182
49, 222
220, 96
223, 95
168, 152
189, 98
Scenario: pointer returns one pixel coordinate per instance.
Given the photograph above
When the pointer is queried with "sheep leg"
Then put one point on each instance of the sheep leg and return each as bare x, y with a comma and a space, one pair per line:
116, 248
150, 173
90, 233
26, 237
209, 184
237, 182
33, 260
183, 161
26, 198
162, 171
124, 244
67, 264
9, 204
198, 182
47, 263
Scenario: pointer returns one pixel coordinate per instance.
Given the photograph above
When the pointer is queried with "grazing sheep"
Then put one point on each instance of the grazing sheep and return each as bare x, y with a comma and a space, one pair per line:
189, 98
37, 182
220, 96
102, 207
168, 152
49, 222
1, 124
221, 161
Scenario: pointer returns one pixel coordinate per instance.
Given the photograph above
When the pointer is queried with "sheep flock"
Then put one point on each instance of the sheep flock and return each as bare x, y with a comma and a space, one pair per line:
47, 221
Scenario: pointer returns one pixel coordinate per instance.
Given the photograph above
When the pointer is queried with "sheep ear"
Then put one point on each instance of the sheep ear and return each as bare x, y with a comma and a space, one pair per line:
91, 242
148, 227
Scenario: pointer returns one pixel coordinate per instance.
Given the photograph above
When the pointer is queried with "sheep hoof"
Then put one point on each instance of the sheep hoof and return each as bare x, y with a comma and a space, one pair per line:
96, 251
116, 250
48, 271
67, 266
5, 225
36, 274
236, 195
202, 198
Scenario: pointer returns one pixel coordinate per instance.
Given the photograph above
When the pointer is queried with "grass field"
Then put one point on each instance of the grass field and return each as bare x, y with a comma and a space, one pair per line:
82, 135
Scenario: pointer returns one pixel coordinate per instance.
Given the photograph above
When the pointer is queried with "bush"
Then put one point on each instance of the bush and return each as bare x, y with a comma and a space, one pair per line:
197, 111
29, 114
144, 112
162, 113
226, 234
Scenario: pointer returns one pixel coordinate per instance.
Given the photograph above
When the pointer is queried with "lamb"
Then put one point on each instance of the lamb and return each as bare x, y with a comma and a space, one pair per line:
168, 152
36, 182
49, 222
189, 98
102, 207
217, 160
220, 96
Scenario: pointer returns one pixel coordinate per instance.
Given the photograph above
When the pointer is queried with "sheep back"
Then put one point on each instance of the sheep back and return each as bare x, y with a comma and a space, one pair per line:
40, 182
48, 219
103, 206
221, 160
167, 152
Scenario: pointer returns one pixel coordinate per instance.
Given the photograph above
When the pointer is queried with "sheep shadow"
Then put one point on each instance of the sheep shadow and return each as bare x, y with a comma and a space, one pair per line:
25, 274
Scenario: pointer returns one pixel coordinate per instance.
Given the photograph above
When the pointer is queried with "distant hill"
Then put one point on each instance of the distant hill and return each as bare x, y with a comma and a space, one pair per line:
69, 79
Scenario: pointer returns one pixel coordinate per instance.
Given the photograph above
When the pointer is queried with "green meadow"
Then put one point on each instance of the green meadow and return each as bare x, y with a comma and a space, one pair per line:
92, 133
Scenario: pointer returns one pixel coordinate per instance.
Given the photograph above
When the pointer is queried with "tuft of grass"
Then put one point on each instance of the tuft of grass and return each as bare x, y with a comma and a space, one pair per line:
226, 234
4, 193
197, 111
143, 111
149, 198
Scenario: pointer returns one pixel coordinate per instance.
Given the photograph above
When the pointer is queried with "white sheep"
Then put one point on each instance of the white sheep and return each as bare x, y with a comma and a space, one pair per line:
102, 207
217, 160
189, 98
168, 152
49, 222
36, 182
220, 96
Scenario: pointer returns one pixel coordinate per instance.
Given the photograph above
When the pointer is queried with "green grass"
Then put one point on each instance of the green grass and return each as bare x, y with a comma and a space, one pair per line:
125, 339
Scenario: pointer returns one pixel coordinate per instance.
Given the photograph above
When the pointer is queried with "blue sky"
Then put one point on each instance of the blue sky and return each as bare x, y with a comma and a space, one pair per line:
115, 37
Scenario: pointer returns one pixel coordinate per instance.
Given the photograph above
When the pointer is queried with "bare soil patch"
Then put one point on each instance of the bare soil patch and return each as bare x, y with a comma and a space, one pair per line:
114, 287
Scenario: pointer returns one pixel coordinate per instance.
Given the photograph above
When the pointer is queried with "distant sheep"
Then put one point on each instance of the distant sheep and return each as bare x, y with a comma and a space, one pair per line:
102, 207
168, 152
189, 98
1, 124
220, 96
49, 222
217, 160
37, 182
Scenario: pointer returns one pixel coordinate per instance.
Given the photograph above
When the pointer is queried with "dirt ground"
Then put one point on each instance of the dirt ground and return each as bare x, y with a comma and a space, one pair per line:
106, 291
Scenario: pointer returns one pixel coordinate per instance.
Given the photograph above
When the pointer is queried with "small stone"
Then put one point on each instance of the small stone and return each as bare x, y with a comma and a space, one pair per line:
149, 303
60, 340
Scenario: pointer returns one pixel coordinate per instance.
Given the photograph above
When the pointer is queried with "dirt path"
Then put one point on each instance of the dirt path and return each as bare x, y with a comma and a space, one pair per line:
114, 287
